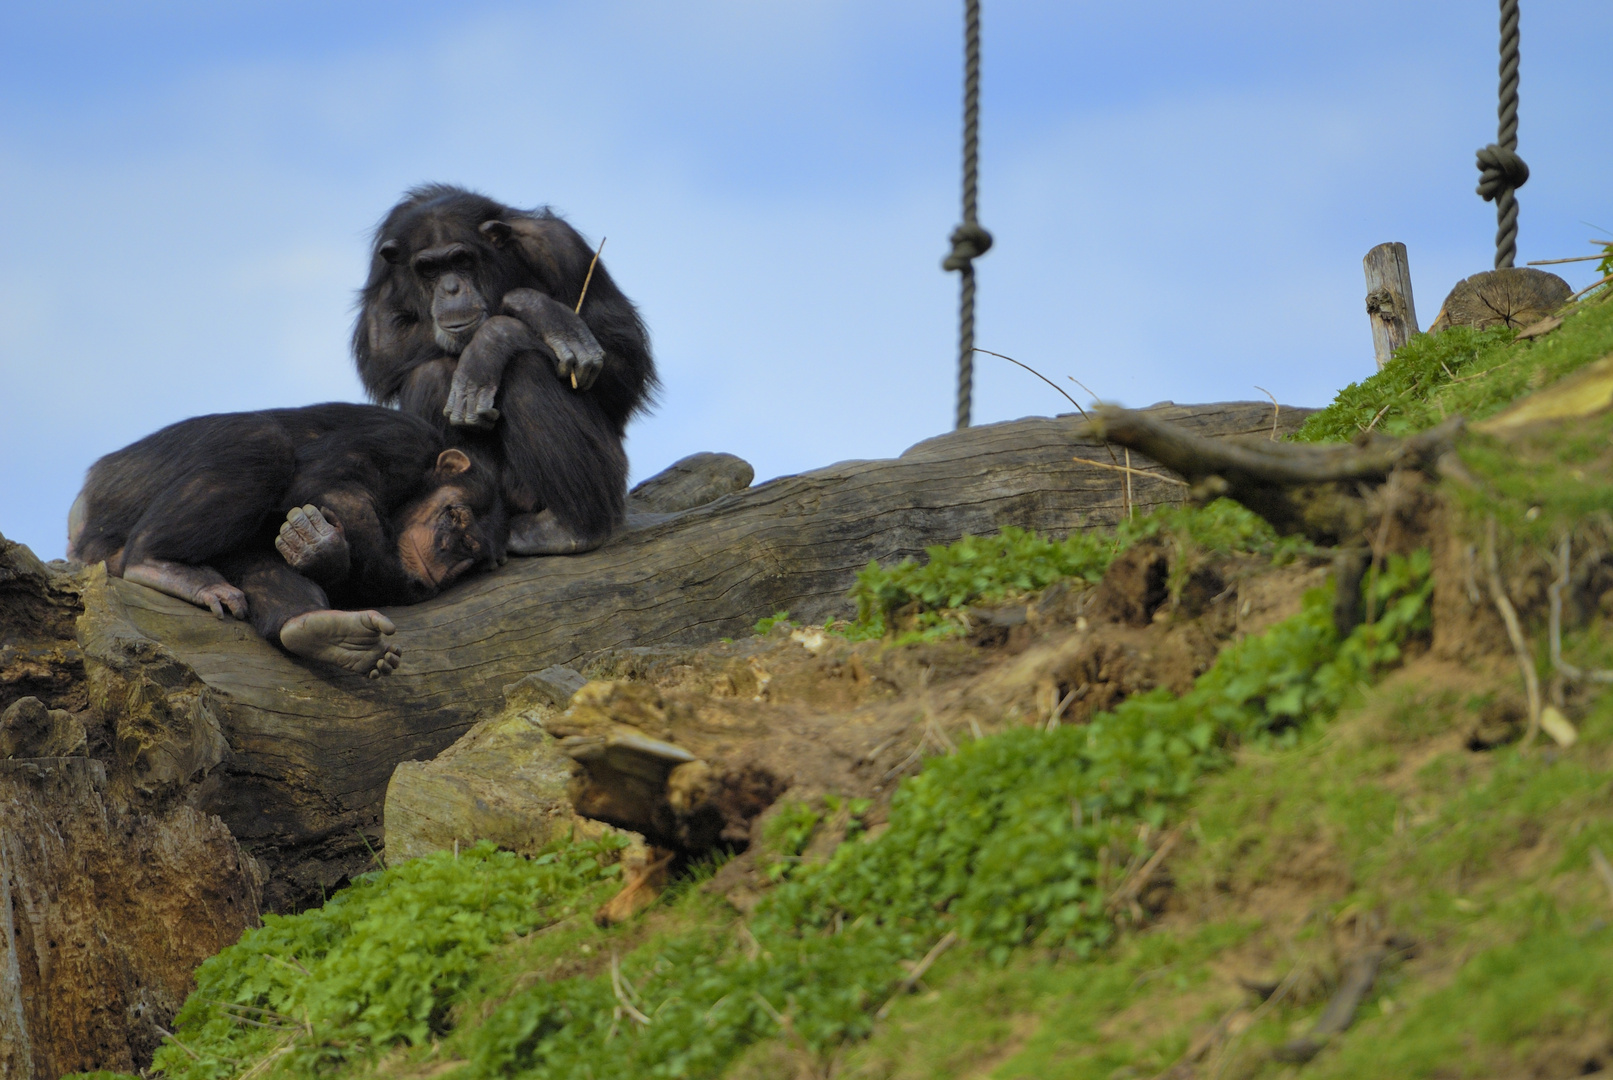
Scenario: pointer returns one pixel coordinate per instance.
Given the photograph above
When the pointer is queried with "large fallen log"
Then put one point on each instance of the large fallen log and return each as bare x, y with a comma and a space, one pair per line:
296, 757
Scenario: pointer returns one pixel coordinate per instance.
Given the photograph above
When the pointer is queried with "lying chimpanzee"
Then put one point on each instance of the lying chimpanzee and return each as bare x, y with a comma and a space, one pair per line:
273, 515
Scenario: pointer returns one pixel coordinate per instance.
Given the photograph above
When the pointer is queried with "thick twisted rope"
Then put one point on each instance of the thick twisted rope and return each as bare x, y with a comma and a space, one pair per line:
969, 240
1501, 171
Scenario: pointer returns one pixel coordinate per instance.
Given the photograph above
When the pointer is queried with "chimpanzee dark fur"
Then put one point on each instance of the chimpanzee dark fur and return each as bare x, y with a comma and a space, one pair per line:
212, 491
456, 279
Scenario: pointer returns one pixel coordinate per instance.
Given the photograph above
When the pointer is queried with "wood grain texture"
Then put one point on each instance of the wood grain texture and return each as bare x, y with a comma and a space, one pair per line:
104, 913
1389, 300
311, 750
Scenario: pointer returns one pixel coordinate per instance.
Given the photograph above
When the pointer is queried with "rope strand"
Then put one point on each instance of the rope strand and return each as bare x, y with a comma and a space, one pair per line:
969, 240
1501, 171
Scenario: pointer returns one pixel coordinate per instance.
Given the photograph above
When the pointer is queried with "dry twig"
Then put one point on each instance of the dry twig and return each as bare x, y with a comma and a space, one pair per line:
1603, 869
1128, 469
623, 991
1271, 1002
1339, 1012
1039, 375
1049, 382
292, 964
1136, 879
1520, 645
1276, 410
1588, 288
171, 1037
1554, 592
586, 281
918, 971
1378, 417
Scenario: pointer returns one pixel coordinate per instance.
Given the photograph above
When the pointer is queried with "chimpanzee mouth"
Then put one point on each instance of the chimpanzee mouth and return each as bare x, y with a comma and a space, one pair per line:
453, 338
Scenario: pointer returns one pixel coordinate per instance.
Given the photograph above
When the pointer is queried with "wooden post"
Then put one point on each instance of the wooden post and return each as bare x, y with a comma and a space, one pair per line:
1389, 303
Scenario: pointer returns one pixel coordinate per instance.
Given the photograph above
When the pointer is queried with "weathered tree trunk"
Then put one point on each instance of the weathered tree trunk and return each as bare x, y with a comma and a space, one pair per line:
104, 913
296, 757
108, 899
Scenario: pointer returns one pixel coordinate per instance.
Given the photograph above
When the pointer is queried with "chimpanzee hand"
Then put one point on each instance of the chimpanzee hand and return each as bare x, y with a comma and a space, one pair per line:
481, 367
313, 544
470, 404
578, 356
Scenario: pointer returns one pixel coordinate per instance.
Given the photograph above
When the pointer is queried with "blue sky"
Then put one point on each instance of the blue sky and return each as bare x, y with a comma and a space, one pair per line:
1181, 194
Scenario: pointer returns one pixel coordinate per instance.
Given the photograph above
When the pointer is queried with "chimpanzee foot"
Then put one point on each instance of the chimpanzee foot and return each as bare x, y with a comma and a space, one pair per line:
543, 534
349, 639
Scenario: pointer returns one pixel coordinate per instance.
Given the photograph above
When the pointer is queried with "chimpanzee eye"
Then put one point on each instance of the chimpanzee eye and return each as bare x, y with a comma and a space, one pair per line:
461, 261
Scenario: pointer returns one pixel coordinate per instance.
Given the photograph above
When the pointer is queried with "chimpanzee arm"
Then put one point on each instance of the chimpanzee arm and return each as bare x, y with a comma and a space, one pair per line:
481, 368
578, 355
350, 547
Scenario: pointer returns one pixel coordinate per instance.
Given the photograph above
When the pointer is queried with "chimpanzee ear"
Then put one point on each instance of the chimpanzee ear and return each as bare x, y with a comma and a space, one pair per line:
496, 231
452, 462
390, 250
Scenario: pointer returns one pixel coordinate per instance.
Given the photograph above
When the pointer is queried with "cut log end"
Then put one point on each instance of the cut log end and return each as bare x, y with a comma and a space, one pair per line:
1516, 296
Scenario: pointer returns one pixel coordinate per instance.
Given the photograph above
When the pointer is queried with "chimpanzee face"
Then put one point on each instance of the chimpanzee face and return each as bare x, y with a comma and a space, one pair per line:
446, 273
451, 273
441, 535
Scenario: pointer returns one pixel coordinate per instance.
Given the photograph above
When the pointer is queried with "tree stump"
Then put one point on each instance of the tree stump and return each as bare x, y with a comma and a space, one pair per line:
1515, 297
1389, 301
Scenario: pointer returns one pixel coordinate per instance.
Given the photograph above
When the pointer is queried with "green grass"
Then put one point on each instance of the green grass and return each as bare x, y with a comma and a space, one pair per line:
1473, 373
1015, 840
1014, 563
378, 964
1479, 860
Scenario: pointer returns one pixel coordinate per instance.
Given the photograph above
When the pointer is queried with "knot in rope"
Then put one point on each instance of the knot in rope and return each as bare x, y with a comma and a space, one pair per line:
1500, 171
969, 242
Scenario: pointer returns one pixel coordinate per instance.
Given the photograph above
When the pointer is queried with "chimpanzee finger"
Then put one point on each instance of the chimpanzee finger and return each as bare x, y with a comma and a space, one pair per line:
236, 602
297, 528
317, 525
216, 604
587, 372
454, 408
562, 349
484, 405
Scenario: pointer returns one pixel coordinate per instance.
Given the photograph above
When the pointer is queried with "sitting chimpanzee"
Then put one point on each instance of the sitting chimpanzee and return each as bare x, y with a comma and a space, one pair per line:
273, 515
467, 320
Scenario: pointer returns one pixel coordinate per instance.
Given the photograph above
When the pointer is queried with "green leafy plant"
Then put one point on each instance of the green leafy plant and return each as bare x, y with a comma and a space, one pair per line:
1017, 838
379, 964
787, 834
1006, 841
1474, 373
1016, 562
765, 624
